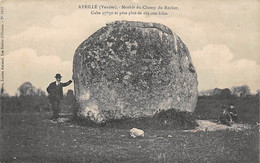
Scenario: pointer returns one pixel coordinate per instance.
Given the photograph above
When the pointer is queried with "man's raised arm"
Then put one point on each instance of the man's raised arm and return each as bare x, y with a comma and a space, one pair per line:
66, 84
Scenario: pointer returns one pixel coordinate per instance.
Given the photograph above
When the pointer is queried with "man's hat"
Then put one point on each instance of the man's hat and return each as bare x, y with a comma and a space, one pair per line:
58, 76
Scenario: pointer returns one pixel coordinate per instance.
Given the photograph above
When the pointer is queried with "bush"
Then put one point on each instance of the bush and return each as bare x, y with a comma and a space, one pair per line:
33, 104
27, 104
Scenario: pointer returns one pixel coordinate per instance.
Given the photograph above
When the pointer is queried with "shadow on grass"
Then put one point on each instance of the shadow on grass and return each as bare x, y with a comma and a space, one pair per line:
165, 120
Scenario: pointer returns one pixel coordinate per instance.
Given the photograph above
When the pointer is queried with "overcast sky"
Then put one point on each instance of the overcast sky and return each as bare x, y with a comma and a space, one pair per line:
223, 38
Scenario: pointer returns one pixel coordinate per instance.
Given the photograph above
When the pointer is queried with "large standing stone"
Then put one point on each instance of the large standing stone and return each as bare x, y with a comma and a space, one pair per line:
133, 69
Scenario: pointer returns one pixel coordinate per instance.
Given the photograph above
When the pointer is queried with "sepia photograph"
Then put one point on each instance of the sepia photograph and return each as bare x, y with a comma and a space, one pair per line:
129, 81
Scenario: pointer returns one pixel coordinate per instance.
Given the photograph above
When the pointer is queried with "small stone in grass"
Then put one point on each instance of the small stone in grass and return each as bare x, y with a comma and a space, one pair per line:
134, 132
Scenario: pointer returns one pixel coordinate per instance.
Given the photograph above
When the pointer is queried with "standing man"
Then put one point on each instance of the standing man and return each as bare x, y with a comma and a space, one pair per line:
55, 92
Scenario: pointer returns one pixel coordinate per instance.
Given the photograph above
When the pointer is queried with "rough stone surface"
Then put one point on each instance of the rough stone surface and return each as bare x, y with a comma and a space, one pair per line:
133, 69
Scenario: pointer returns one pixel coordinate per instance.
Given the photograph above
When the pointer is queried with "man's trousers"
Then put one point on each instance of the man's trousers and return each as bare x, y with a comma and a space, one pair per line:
55, 106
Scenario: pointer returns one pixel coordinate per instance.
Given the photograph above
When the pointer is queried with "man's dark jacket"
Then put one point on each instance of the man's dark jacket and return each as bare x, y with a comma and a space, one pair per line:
55, 91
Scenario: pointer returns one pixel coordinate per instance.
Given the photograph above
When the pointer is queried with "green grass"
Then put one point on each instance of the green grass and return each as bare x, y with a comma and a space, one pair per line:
32, 138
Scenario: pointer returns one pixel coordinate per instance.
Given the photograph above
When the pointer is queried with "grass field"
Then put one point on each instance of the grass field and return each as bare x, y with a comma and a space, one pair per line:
33, 138
247, 108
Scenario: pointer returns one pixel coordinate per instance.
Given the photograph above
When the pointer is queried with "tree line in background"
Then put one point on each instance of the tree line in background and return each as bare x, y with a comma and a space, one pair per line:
31, 99
236, 91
